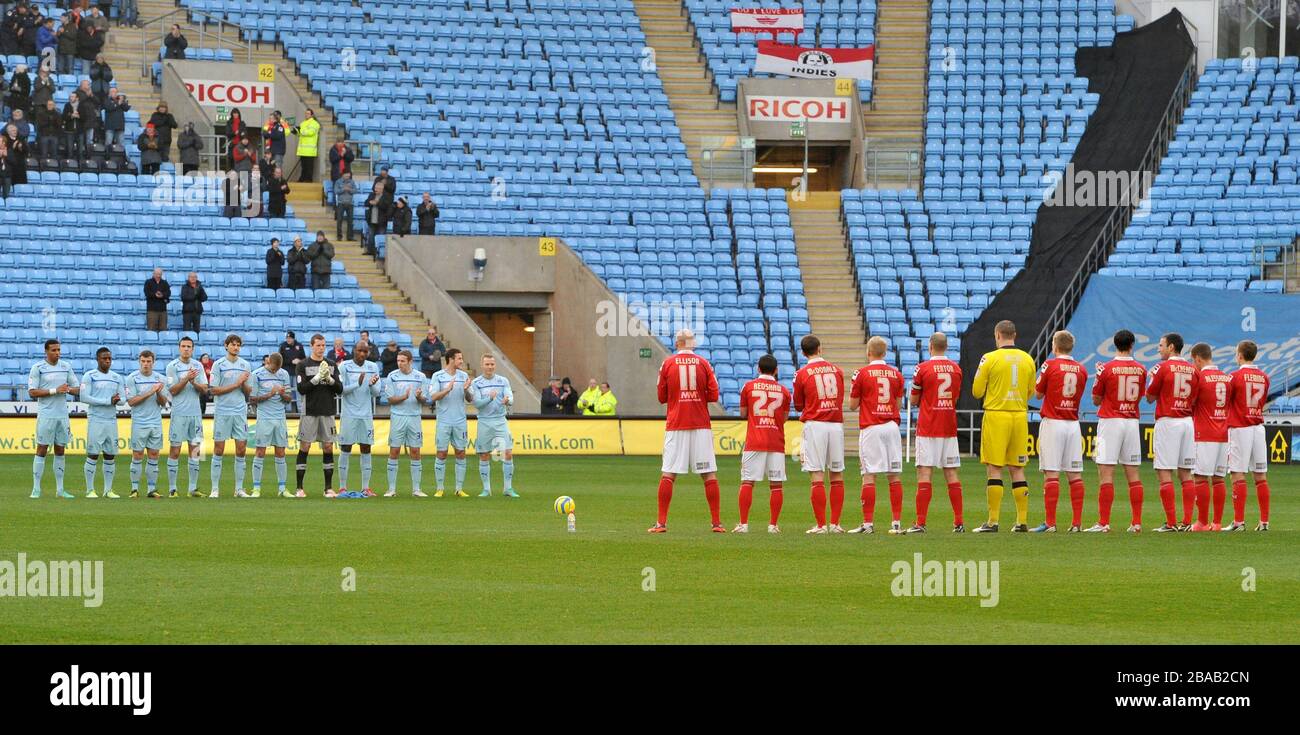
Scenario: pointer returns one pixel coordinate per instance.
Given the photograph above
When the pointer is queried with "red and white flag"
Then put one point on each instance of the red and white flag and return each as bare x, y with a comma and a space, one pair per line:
766, 20
815, 63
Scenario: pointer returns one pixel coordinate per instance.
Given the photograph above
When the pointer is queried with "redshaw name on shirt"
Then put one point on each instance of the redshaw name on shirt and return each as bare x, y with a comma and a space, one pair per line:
1278, 439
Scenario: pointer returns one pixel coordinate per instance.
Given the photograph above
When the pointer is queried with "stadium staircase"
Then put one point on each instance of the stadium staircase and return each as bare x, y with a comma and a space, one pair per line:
686, 80
898, 99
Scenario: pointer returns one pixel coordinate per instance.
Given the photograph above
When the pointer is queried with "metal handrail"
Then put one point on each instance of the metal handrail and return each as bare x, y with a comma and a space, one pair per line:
146, 42
1117, 221
892, 158
1285, 253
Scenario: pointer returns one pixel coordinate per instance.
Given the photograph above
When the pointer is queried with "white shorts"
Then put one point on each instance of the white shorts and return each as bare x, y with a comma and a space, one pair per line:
1118, 442
1174, 442
822, 449
1247, 449
758, 466
937, 451
880, 449
689, 450
1060, 446
1211, 459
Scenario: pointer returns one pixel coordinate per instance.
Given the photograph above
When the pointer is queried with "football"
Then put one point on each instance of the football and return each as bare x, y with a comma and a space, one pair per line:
564, 505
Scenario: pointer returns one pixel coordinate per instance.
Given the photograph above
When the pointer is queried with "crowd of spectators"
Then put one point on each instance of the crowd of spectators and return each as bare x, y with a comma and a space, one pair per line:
561, 398
383, 208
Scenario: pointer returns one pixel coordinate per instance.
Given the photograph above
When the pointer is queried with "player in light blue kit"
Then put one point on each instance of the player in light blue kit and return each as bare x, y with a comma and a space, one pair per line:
229, 386
185, 382
491, 395
403, 387
146, 394
361, 386
271, 390
101, 390
447, 387
49, 383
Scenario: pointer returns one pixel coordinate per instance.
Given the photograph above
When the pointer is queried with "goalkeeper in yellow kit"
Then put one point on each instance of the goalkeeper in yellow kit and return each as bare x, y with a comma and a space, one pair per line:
1005, 380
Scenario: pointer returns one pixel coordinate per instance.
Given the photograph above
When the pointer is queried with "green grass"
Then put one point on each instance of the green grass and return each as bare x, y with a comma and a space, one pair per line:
496, 570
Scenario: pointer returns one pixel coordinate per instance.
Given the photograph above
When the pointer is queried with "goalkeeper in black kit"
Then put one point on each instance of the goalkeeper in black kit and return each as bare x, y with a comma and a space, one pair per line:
319, 388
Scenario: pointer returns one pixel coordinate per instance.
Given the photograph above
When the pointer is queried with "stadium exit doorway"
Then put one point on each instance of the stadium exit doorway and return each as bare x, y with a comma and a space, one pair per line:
780, 166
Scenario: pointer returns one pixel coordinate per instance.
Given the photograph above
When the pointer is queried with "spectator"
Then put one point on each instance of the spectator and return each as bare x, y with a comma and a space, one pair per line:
18, 93
175, 43
378, 208
273, 137
190, 146
6, 183
552, 401
606, 402
341, 158
48, 123
98, 20
164, 123
338, 354
297, 260
431, 352
90, 42
236, 128
266, 169
101, 77
274, 265
157, 292
401, 218
587, 401
291, 351
72, 135
427, 214
42, 89
568, 398
115, 109
277, 193
150, 147
17, 156
47, 44
206, 361
88, 110
365, 337
389, 183
321, 255
66, 50
345, 192
192, 297
388, 358
308, 132
241, 158
17, 120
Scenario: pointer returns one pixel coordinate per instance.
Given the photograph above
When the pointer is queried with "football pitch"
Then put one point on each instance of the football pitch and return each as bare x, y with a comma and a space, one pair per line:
495, 570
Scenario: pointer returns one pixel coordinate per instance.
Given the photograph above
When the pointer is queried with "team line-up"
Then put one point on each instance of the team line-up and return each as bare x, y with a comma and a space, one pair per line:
234, 384
1209, 424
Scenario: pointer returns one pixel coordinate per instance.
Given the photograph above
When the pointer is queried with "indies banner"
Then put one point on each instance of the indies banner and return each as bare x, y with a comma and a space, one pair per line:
815, 63
766, 20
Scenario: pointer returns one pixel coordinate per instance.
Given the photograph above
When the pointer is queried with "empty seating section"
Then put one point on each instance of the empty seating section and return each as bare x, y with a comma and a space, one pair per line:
1228, 184
76, 249
827, 24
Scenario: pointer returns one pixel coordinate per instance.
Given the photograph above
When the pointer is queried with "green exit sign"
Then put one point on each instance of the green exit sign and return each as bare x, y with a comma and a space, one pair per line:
645, 353
798, 130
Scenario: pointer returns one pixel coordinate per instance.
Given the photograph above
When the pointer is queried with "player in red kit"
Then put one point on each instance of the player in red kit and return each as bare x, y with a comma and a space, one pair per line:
1210, 419
876, 393
687, 386
819, 397
1247, 445
1060, 387
765, 405
936, 387
1117, 392
1173, 389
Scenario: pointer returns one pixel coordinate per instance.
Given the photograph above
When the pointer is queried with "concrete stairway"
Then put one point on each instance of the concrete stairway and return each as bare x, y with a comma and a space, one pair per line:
833, 310
902, 39
686, 79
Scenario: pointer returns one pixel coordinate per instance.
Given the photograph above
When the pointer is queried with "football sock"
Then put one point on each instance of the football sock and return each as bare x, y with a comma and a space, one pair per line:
1076, 502
774, 501
281, 471
344, 459
746, 499
954, 497
1239, 501
1105, 499
110, 471
239, 472
440, 471
508, 474
300, 466
1169, 500
896, 499
417, 473
868, 501
58, 472
1020, 494
135, 474
257, 471
993, 494
38, 469
665, 496
461, 463
819, 502
1051, 495
1189, 501
837, 501
485, 474
713, 494
924, 491
90, 475
365, 470
1220, 495
1135, 493
194, 474
1261, 494
151, 474
327, 468
173, 469
1203, 502
392, 474
214, 470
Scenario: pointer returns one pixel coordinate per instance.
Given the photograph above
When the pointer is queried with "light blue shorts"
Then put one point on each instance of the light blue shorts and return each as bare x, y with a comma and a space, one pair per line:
53, 431
185, 429
356, 431
455, 435
406, 431
101, 437
230, 426
146, 437
493, 438
271, 433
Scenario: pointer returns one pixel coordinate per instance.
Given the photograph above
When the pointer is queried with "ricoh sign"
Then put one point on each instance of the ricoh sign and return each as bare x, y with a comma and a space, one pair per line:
223, 93
769, 108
